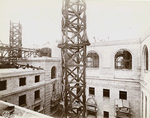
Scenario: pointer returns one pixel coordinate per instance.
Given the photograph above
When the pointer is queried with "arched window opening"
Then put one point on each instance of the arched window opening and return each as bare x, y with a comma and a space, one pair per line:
92, 60
146, 58
123, 60
53, 72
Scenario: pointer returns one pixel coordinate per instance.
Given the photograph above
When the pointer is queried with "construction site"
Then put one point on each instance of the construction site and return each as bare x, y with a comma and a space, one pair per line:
105, 79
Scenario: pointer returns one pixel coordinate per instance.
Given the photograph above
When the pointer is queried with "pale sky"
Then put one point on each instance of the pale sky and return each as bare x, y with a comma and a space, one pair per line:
41, 20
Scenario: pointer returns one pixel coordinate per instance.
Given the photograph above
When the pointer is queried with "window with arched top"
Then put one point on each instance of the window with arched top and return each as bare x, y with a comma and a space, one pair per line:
145, 58
123, 60
92, 60
53, 72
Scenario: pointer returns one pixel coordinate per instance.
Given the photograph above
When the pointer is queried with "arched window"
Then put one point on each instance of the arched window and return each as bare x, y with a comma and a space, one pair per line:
53, 72
145, 58
92, 60
123, 60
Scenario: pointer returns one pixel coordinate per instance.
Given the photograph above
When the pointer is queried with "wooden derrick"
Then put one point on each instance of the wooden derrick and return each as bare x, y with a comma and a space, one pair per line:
73, 50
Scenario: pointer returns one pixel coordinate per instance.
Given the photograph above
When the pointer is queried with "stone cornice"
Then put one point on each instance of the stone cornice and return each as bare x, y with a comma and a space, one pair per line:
115, 42
5, 73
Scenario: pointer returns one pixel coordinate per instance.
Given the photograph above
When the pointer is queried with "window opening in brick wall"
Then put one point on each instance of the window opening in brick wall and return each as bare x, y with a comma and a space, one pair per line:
92, 60
22, 81
53, 72
3, 85
106, 114
37, 94
91, 91
123, 95
37, 78
106, 92
22, 100
123, 60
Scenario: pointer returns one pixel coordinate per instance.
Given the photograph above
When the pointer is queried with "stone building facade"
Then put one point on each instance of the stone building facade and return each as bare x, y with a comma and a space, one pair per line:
117, 74
23, 87
52, 75
38, 89
113, 74
145, 75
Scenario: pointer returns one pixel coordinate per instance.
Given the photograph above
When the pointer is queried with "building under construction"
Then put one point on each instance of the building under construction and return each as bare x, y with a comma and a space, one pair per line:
105, 79
29, 78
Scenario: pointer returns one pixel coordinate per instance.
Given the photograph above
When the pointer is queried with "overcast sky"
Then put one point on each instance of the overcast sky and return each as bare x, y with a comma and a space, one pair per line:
41, 20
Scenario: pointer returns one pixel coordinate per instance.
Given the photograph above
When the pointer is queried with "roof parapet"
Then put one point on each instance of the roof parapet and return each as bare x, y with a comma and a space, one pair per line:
8, 109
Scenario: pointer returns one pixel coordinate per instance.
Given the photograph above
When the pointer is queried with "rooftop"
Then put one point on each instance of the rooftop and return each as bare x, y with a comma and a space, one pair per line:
54, 59
116, 42
7, 109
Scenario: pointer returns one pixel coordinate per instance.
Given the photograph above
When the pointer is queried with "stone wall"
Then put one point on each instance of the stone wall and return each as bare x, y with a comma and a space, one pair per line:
107, 77
13, 90
47, 63
145, 77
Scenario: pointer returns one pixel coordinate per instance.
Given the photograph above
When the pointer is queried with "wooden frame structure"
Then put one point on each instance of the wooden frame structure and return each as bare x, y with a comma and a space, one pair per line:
15, 41
73, 50
9, 54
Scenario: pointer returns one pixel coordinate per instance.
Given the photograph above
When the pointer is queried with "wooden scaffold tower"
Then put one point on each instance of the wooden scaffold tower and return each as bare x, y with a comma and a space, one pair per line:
15, 42
9, 54
73, 50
